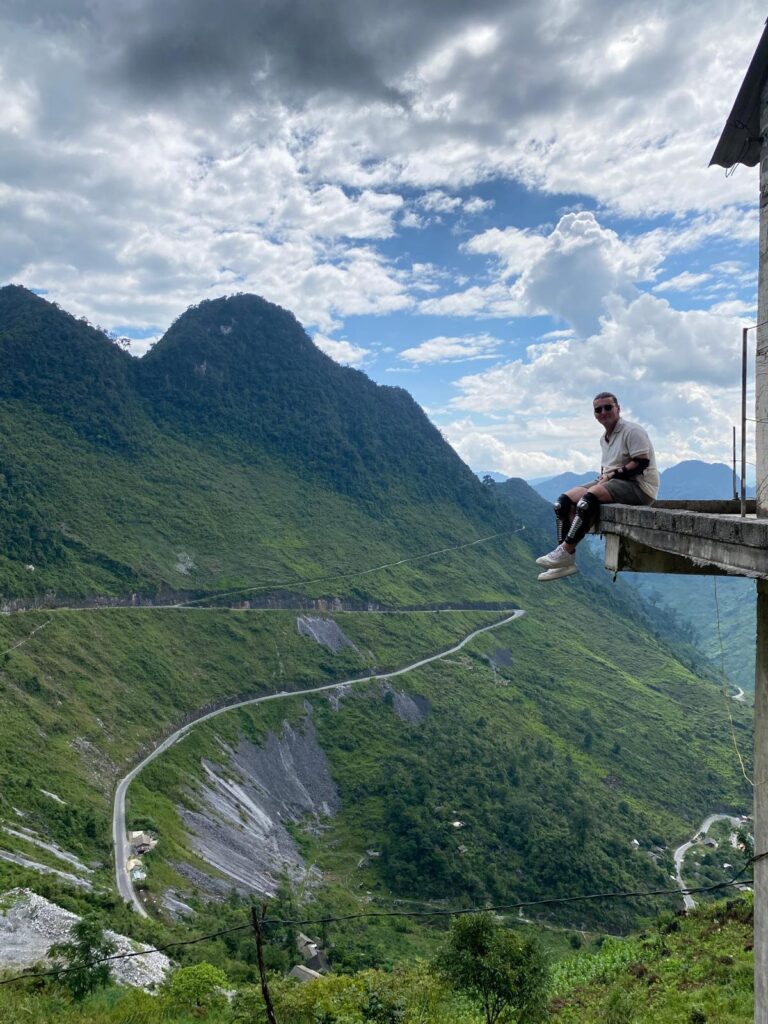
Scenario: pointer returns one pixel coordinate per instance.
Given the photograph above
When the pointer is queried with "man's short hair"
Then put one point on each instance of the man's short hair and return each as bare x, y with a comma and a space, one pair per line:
606, 394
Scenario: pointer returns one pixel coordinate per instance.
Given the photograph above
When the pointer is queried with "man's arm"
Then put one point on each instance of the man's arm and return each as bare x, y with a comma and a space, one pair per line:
636, 465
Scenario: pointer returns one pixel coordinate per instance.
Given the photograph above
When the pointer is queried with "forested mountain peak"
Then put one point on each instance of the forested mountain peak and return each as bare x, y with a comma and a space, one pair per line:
67, 368
236, 329
244, 369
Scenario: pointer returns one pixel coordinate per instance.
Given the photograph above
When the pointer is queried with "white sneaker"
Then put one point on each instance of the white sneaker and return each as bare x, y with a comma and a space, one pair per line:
557, 574
557, 559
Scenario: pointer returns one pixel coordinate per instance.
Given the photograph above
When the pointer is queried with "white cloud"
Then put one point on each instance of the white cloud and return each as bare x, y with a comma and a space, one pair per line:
735, 307
684, 282
438, 201
514, 248
411, 219
151, 161
480, 449
569, 273
453, 350
342, 351
676, 372
475, 205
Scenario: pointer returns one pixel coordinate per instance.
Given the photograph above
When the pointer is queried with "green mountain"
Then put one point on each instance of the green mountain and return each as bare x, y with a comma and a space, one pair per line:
237, 467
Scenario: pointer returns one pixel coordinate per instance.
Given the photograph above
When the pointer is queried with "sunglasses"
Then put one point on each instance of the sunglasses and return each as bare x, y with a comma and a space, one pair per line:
603, 408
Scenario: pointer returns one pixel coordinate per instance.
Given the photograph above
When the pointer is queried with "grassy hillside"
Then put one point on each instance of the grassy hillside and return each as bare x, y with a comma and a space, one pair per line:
694, 969
253, 465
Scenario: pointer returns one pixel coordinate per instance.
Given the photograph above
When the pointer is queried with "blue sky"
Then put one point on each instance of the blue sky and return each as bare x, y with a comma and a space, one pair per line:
502, 207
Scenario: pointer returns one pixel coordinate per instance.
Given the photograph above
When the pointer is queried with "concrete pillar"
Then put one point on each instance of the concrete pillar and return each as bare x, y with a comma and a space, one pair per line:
760, 867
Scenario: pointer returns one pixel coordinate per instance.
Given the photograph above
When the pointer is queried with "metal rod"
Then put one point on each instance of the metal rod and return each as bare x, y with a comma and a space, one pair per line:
735, 492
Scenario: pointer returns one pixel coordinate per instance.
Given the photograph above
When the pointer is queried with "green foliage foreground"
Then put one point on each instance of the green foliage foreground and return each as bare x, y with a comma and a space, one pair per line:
684, 970
506, 975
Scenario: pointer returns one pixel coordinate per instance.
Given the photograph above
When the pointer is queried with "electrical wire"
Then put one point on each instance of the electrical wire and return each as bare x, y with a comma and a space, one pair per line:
347, 575
454, 912
58, 971
724, 685
26, 638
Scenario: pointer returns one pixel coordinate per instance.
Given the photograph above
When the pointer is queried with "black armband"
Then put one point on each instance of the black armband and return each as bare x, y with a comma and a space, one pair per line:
630, 474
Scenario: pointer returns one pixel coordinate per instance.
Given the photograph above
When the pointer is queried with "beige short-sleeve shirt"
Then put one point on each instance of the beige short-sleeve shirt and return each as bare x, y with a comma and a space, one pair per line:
627, 441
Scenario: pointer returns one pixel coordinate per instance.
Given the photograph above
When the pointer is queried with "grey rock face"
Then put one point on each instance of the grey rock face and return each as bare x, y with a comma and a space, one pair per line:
323, 631
240, 828
176, 907
31, 924
45, 869
411, 708
501, 657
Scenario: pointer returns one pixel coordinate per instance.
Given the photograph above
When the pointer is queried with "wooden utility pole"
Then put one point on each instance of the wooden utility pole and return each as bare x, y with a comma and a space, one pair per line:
256, 921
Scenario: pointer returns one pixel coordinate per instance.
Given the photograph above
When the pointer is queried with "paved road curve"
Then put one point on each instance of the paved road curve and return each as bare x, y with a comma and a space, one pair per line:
681, 851
119, 836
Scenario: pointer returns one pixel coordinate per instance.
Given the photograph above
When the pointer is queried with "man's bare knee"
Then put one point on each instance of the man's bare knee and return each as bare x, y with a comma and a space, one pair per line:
602, 493
576, 492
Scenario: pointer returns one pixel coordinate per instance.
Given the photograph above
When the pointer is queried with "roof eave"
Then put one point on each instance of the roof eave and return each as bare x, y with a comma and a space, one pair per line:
740, 141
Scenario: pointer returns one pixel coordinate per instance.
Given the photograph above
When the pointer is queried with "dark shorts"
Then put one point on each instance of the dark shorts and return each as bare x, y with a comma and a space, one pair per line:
625, 492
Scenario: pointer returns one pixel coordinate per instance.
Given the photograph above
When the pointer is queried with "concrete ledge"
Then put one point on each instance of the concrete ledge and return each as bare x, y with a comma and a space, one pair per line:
677, 540
727, 507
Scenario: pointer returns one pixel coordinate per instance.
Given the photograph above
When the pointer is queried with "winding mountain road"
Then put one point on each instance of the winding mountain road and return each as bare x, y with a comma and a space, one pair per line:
119, 835
680, 852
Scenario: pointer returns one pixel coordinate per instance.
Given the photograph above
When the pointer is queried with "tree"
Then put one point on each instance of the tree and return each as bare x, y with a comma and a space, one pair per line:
506, 974
196, 989
79, 971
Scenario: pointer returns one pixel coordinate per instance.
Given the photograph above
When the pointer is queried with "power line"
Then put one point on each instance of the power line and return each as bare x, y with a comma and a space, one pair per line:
26, 638
348, 575
124, 956
723, 681
506, 907
454, 912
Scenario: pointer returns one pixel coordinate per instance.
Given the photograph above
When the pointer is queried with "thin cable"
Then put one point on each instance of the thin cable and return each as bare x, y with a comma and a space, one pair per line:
26, 638
456, 912
723, 679
124, 956
346, 575
522, 906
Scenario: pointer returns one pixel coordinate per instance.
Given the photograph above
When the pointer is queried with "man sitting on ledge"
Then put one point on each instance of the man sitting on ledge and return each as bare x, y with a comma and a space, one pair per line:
628, 475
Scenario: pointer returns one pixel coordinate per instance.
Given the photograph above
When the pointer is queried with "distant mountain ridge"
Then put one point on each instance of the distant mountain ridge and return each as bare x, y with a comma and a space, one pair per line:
691, 479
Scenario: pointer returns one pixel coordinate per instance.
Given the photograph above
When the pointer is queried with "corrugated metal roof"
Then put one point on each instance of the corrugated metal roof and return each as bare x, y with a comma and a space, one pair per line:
740, 141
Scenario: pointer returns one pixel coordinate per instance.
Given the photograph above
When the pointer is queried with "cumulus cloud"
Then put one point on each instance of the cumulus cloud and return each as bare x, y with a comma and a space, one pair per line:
676, 372
569, 273
481, 449
452, 350
437, 201
475, 205
155, 154
342, 351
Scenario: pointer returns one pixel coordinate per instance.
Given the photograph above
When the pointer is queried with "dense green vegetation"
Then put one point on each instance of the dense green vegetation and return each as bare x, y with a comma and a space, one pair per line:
237, 458
694, 969
550, 784
699, 602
